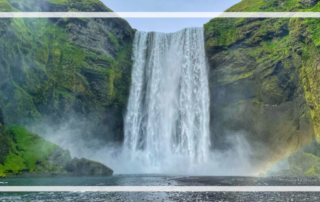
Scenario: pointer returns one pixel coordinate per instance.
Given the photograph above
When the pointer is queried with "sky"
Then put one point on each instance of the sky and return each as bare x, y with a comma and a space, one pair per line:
168, 24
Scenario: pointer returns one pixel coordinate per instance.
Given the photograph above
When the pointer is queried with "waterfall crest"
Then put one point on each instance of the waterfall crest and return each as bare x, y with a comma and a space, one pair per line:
167, 118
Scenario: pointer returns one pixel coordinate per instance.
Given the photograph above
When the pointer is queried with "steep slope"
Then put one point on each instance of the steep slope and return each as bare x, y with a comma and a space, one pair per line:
4, 141
22, 152
54, 69
264, 79
31, 155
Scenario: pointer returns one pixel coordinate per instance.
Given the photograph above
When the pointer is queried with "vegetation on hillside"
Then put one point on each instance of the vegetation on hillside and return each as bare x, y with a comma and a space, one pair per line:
28, 152
267, 72
55, 67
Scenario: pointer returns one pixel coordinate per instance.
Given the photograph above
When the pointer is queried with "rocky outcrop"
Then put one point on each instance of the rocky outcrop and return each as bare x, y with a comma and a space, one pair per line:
77, 167
85, 167
59, 157
263, 79
305, 162
54, 69
28, 154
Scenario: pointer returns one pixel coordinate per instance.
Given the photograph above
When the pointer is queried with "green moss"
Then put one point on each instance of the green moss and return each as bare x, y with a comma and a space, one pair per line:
63, 92
63, 2
247, 5
269, 45
313, 25
266, 6
88, 5
29, 152
310, 81
123, 76
270, 88
13, 164
229, 78
314, 29
49, 67
5, 6
8, 105
107, 72
113, 40
305, 54
222, 32
25, 104
311, 172
21, 30
56, 57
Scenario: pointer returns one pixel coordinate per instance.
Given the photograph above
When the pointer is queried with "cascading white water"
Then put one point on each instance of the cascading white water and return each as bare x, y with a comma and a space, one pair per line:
167, 120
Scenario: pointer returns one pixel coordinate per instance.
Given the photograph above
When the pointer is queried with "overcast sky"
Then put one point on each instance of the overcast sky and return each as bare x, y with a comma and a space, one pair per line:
171, 24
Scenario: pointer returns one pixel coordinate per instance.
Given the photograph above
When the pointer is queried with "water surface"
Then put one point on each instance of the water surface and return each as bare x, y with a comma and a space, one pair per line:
159, 180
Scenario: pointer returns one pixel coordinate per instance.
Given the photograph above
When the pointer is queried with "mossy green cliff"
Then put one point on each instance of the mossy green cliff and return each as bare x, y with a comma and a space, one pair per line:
50, 68
4, 141
31, 155
264, 78
22, 152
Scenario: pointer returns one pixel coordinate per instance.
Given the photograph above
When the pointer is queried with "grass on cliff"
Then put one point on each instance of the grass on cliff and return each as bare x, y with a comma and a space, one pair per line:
63, 2
46, 64
5, 6
266, 6
82, 5
29, 152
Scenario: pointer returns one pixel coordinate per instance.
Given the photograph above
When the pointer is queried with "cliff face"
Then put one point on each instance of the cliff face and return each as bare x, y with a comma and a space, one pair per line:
52, 68
4, 141
264, 77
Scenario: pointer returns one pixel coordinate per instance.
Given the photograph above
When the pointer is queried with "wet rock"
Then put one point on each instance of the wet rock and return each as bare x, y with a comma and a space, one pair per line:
85, 167
59, 157
106, 44
309, 2
1, 118
4, 142
303, 162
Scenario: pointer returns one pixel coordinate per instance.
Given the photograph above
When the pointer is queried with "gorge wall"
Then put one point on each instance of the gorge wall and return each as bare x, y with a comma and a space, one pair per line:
264, 78
54, 69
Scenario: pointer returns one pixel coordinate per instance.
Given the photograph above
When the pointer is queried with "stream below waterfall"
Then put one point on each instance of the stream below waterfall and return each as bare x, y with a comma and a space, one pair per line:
159, 180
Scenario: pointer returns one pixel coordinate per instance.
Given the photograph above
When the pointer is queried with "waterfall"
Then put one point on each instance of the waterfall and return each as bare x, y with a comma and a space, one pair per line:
167, 118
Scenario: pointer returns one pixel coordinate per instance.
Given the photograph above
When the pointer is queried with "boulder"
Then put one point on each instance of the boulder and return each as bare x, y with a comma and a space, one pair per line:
85, 167
59, 157
301, 163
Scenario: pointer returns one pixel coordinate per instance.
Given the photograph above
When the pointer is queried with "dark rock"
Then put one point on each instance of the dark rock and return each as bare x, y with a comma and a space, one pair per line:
1, 118
309, 2
85, 167
91, 93
255, 88
59, 157
4, 141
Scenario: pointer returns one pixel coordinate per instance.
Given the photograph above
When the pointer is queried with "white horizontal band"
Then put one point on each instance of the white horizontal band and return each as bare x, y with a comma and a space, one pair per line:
159, 14
160, 189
